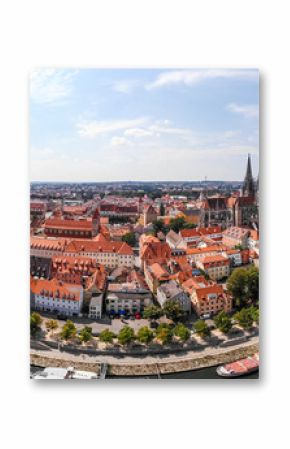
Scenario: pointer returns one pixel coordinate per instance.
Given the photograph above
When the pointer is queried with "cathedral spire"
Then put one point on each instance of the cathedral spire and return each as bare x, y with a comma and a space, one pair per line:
248, 186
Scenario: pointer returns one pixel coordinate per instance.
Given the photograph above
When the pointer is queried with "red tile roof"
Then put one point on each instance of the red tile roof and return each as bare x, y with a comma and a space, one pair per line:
56, 289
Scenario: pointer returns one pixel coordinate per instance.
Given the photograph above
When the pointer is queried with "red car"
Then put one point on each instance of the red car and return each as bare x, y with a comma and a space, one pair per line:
138, 316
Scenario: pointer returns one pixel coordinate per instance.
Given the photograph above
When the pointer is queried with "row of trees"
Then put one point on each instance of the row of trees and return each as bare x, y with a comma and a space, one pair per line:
164, 333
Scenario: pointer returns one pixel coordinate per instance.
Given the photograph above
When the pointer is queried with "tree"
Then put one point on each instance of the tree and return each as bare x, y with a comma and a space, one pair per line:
172, 309
162, 209
254, 311
201, 328
68, 330
106, 336
244, 318
126, 335
158, 226
35, 322
86, 334
182, 332
152, 312
145, 335
253, 284
129, 238
51, 325
164, 333
189, 226
223, 322
176, 224
243, 284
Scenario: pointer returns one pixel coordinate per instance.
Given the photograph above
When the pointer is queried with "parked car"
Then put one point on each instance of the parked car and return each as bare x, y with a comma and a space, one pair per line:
206, 316
138, 316
61, 317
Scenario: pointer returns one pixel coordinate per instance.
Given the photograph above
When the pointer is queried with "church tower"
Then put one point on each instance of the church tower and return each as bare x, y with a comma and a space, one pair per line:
249, 184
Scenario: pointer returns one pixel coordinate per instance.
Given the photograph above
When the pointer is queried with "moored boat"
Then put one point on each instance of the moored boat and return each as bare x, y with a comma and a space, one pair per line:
63, 373
239, 367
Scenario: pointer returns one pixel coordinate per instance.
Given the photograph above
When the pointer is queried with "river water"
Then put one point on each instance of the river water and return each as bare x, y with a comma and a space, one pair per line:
204, 373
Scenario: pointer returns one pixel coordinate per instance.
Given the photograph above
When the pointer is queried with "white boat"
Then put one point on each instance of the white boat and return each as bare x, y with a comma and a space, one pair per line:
63, 373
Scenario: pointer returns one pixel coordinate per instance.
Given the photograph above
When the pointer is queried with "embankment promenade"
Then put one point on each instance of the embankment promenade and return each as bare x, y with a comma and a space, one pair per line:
148, 364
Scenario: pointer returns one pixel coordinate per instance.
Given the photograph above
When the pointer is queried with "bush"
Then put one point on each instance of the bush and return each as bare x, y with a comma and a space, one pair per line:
201, 328
126, 335
35, 322
244, 318
182, 332
85, 334
145, 335
68, 331
173, 310
106, 336
152, 312
223, 322
164, 333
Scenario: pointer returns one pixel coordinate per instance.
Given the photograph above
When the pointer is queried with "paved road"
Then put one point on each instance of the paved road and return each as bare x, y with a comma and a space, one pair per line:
125, 359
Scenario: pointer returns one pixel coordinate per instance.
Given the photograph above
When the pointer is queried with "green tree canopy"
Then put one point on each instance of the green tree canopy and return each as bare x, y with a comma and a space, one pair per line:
223, 322
106, 336
85, 334
159, 226
152, 312
181, 331
35, 322
244, 318
176, 224
145, 335
126, 335
164, 333
129, 238
201, 328
255, 314
51, 325
243, 285
68, 330
172, 309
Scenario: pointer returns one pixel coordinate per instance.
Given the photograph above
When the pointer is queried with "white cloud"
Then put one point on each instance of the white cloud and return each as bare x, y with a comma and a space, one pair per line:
51, 86
192, 77
125, 87
119, 141
93, 128
137, 132
157, 128
248, 111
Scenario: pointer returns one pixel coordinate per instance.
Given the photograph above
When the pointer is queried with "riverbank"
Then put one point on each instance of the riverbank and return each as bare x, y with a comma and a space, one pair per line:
149, 365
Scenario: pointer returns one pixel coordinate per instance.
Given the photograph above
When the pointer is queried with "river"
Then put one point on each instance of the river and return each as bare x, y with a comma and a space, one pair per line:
204, 373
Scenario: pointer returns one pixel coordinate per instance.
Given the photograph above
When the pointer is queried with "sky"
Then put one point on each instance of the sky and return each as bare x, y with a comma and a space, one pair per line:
143, 124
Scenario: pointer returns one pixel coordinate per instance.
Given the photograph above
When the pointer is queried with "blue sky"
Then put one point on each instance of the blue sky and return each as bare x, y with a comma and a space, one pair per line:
143, 124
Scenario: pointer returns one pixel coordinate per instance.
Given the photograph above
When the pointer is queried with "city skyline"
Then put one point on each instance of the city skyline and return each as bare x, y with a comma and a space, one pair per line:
98, 125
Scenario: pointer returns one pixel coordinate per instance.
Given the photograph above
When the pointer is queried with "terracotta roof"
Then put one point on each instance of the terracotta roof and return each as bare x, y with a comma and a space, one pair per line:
102, 245
58, 223
74, 264
55, 289
206, 249
202, 293
48, 243
197, 232
158, 271
215, 260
